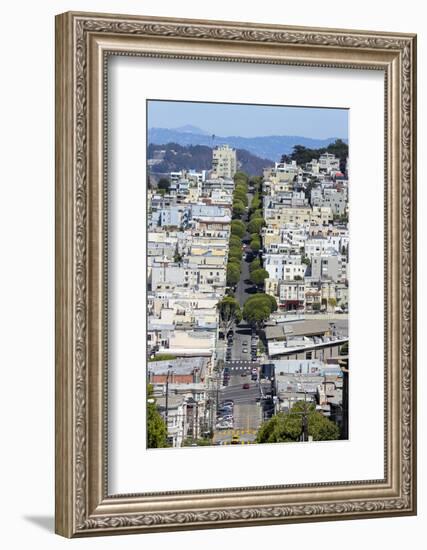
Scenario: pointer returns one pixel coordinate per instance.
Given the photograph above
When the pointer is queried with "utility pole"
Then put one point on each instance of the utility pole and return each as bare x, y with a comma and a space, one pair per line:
305, 419
197, 421
167, 397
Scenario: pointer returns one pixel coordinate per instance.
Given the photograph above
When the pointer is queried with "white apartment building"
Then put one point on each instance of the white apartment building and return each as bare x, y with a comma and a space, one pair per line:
329, 163
284, 267
224, 162
336, 200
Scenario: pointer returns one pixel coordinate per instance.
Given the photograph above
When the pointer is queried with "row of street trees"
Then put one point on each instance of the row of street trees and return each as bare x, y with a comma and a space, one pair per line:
229, 308
238, 228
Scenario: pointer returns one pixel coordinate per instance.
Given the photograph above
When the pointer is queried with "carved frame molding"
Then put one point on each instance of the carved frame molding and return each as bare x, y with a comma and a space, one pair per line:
83, 43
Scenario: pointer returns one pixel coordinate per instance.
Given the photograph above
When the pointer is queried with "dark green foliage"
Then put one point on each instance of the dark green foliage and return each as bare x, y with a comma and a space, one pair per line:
257, 308
164, 184
241, 176
255, 243
238, 209
235, 252
284, 427
238, 228
156, 427
255, 264
240, 196
254, 226
235, 241
302, 154
258, 276
233, 274
229, 313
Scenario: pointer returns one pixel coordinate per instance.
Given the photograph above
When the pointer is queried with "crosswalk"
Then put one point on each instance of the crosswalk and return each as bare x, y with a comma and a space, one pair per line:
241, 365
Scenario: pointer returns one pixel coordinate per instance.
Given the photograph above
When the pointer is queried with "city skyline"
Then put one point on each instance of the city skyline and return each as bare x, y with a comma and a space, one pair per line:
247, 120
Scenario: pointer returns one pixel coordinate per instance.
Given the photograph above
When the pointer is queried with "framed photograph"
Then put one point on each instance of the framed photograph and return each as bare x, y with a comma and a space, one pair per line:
235, 274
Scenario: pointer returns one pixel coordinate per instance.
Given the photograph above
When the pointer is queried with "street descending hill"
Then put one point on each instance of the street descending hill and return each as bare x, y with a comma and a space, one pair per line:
267, 147
199, 157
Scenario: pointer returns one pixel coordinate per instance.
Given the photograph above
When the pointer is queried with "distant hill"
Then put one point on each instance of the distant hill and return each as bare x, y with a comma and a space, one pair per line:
267, 147
199, 157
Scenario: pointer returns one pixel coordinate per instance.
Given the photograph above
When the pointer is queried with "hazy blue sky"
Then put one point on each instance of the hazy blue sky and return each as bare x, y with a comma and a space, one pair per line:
230, 119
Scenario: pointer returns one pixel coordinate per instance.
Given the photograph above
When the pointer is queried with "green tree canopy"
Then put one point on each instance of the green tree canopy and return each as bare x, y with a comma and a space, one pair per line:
255, 243
302, 154
284, 427
256, 214
241, 196
236, 262
235, 241
241, 176
229, 313
256, 202
257, 308
233, 274
238, 209
258, 275
254, 226
164, 184
255, 264
157, 432
238, 228
235, 252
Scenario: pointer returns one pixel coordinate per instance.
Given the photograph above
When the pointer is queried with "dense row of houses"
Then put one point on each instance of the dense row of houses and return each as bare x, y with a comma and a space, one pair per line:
188, 230
306, 238
305, 253
305, 248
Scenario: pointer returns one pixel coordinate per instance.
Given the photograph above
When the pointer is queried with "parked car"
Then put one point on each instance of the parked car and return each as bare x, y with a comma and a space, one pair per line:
227, 402
227, 418
224, 425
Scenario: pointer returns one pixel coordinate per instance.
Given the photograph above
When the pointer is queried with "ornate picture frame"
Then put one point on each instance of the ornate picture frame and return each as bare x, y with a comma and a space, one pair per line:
83, 43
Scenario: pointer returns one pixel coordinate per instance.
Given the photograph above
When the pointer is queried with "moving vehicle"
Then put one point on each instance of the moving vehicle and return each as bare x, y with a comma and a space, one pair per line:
246, 386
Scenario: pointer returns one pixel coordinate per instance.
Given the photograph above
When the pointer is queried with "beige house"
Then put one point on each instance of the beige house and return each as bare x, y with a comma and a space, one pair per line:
224, 162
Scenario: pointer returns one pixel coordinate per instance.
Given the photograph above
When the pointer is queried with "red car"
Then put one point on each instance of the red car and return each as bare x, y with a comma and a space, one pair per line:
245, 386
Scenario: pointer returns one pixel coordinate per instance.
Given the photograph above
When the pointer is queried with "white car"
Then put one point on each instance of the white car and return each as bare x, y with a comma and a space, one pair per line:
224, 426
